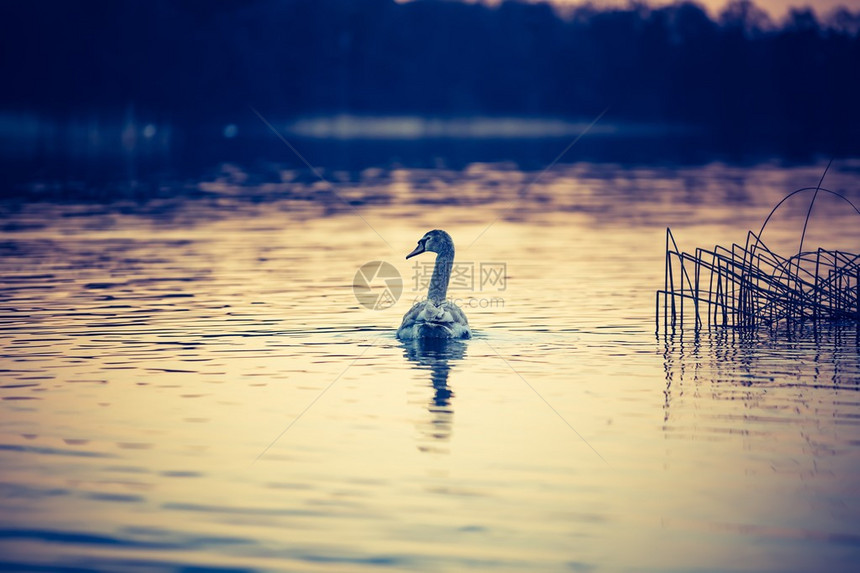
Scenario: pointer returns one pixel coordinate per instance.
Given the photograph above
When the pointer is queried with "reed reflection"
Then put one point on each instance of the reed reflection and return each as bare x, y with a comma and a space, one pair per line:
810, 355
436, 356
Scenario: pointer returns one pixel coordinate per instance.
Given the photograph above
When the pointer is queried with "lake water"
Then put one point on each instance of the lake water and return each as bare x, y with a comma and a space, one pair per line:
189, 383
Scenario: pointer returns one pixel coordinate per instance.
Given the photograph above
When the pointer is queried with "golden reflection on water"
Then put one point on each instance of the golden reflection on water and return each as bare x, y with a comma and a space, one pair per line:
197, 385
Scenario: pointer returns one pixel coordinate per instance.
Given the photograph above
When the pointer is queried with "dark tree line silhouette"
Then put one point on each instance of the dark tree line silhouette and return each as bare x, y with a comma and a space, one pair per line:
200, 60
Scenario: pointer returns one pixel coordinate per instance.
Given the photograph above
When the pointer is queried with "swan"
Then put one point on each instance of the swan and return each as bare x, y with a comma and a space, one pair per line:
435, 317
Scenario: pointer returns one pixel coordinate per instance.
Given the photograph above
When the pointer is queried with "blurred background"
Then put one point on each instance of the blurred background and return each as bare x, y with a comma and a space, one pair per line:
154, 93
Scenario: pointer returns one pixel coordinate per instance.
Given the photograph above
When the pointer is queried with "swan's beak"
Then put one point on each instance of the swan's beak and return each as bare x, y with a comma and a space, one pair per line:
418, 250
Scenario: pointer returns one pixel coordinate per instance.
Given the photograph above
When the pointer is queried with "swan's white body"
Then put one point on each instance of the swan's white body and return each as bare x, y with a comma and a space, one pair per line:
428, 320
435, 317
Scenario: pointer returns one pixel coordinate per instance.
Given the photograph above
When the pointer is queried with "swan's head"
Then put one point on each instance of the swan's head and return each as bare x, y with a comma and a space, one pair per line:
436, 241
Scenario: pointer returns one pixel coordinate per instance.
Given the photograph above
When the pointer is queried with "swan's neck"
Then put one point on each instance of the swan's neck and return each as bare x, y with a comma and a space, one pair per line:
441, 275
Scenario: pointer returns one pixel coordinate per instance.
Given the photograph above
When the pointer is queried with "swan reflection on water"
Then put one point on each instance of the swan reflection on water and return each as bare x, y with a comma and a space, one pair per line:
436, 356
